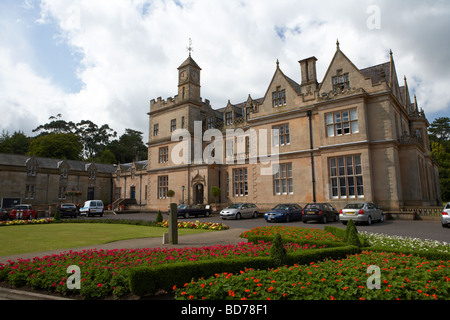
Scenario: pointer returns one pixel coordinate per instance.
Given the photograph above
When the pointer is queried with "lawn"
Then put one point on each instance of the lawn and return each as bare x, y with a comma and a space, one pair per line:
45, 237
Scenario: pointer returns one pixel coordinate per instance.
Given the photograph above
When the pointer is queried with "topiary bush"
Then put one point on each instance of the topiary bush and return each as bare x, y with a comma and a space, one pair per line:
278, 251
351, 235
159, 217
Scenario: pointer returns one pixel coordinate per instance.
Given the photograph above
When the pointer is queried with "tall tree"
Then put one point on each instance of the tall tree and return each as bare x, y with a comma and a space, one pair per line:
94, 138
130, 147
440, 130
57, 145
18, 143
56, 125
439, 134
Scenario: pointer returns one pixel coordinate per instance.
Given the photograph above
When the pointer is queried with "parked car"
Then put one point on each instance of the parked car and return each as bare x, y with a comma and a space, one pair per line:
361, 212
240, 210
187, 210
4, 214
23, 211
322, 212
445, 217
68, 210
284, 213
91, 208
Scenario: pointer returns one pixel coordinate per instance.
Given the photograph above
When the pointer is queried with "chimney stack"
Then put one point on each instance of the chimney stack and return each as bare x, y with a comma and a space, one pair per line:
309, 75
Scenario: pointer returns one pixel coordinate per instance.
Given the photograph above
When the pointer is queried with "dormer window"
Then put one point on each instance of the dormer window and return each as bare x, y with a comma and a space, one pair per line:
341, 81
229, 118
31, 170
64, 172
279, 98
210, 122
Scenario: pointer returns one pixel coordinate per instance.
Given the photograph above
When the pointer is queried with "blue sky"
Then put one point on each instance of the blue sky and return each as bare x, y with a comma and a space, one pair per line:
104, 60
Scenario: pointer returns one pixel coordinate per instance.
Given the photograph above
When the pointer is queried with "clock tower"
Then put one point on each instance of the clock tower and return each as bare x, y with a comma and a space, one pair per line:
189, 81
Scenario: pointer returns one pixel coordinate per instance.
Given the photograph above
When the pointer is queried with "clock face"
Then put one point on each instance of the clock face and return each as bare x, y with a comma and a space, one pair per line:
183, 76
195, 76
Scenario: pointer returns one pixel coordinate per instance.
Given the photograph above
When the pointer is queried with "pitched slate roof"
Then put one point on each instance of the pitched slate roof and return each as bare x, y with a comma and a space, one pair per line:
48, 163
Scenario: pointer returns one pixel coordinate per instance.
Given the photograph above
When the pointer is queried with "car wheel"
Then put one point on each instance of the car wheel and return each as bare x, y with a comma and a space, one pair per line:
255, 215
324, 220
238, 216
382, 218
207, 214
186, 215
336, 218
304, 221
288, 218
369, 220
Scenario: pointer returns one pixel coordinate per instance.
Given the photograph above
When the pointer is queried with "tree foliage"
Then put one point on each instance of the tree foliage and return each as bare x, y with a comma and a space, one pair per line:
17, 143
84, 140
57, 145
439, 136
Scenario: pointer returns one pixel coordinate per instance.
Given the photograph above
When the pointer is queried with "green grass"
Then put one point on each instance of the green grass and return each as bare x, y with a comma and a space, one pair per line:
46, 237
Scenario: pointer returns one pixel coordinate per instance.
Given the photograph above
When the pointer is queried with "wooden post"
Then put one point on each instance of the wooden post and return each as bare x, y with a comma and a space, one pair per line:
173, 224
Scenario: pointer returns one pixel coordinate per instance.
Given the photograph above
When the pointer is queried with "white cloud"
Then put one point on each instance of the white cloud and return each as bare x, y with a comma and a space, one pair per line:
130, 51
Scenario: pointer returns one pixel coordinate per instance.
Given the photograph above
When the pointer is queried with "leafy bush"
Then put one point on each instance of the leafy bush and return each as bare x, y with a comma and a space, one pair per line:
278, 251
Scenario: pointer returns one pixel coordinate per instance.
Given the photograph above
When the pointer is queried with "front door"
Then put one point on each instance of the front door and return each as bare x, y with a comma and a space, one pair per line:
90, 193
198, 193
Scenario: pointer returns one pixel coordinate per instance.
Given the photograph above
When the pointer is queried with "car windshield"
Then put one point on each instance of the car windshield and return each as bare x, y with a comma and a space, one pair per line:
21, 207
354, 206
68, 205
282, 207
182, 206
235, 206
312, 206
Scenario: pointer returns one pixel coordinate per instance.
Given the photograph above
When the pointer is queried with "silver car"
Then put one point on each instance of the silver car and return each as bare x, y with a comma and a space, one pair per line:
240, 210
445, 217
364, 212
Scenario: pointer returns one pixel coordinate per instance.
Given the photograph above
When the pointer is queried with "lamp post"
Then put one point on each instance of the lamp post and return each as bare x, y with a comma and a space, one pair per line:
182, 194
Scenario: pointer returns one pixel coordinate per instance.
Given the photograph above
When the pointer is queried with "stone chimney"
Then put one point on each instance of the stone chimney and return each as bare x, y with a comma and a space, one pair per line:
309, 75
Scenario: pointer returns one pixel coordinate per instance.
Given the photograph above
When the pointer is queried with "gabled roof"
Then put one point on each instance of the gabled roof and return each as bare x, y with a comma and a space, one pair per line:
376, 73
48, 163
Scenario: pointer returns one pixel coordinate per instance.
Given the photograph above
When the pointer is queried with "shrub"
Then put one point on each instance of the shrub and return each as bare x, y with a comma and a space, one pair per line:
278, 251
159, 217
352, 237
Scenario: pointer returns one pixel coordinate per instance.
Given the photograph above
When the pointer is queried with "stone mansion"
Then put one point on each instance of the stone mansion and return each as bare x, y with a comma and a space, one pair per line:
356, 135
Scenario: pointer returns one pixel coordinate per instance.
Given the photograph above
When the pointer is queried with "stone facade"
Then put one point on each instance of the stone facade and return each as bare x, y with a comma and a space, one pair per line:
44, 182
354, 136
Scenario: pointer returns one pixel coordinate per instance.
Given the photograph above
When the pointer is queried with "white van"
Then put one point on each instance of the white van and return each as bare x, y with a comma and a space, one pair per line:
91, 208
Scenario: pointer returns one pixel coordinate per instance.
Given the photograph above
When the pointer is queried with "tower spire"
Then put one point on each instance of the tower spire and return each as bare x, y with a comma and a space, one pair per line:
190, 48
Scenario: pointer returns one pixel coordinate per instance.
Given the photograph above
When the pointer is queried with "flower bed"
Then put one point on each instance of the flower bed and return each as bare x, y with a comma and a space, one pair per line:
293, 233
25, 222
105, 272
196, 225
402, 277
405, 243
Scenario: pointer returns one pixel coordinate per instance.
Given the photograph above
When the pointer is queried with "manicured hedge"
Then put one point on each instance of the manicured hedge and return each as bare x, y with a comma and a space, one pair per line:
149, 280
328, 244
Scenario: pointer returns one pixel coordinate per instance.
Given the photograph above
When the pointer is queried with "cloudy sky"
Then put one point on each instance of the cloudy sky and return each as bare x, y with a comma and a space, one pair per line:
104, 60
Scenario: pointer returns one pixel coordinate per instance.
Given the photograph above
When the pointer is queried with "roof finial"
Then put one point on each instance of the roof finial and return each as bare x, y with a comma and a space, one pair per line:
337, 44
278, 64
190, 48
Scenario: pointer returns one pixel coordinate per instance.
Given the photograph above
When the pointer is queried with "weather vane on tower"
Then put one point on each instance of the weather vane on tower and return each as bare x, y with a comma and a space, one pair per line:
190, 48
